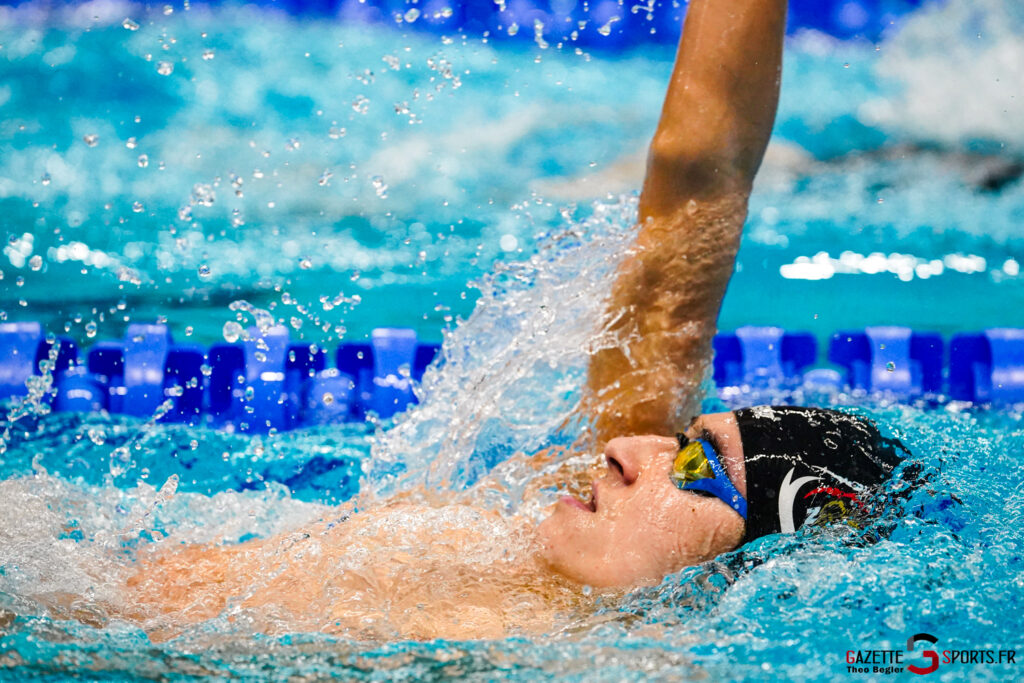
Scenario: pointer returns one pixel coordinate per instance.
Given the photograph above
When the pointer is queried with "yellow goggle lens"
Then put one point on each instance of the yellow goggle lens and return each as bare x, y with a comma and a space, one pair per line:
691, 464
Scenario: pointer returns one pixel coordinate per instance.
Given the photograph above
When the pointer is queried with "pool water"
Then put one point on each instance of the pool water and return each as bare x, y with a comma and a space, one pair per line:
484, 193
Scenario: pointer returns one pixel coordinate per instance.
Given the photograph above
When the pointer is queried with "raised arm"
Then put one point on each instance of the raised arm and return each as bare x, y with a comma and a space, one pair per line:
714, 128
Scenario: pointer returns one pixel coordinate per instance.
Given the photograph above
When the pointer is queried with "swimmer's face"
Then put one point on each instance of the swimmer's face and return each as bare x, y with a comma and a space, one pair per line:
639, 527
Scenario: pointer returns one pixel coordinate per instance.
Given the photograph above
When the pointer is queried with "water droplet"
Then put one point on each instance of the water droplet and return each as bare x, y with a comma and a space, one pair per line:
45, 180
131, 143
360, 104
232, 331
193, 444
97, 436
169, 488
203, 194
164, 68
208, 55
36, 262
606, 30
137, 207
412, 15
379, 186
325, 178
90, 329
296, 323
508, 242
236, 219
189, 330
250, 393
204, 271
538, 34
305, 264
335, 132
129, 24
168, 10
513, 28
890, 366
327, 399
91, 139
143, 160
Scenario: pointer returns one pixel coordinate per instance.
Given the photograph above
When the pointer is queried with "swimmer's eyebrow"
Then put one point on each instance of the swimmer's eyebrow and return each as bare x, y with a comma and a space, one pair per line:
713, 440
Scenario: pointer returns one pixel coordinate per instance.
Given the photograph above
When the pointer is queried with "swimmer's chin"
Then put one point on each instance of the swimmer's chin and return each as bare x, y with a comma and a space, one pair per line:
562, 547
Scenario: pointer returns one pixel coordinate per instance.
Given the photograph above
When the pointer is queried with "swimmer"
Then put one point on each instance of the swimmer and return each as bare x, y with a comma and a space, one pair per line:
671, 491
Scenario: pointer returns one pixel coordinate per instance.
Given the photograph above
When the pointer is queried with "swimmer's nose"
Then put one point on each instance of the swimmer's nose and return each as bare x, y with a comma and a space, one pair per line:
622, 462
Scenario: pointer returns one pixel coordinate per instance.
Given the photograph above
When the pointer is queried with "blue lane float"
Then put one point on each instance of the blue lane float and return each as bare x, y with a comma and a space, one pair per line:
987, 367
267, 381
264, 381
20, 344
762, 356
896, 360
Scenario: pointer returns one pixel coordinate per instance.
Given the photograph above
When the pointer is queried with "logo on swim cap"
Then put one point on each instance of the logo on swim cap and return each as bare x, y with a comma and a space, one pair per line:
840, 506
787, 496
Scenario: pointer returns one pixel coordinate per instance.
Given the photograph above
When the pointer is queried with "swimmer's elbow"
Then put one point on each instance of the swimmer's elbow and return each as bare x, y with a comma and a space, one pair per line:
678, 171
704, 147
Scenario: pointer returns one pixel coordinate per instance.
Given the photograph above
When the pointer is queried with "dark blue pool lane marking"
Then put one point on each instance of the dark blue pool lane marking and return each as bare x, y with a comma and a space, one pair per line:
263, 382
267, 382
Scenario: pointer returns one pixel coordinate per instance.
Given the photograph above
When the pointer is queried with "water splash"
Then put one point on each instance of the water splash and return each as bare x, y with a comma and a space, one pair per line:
511, 375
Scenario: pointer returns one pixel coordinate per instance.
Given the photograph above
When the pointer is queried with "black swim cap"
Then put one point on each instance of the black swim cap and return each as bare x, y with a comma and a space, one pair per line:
810, 465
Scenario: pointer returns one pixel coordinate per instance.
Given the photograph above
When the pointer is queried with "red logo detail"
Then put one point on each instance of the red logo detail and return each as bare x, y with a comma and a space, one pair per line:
930, 654
838, 493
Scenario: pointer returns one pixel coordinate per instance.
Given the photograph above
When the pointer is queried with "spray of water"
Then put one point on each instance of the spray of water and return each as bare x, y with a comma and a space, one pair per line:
511, 376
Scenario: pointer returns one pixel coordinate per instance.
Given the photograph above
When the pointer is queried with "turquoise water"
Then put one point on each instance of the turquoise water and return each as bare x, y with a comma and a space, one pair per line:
463, 188
869, 160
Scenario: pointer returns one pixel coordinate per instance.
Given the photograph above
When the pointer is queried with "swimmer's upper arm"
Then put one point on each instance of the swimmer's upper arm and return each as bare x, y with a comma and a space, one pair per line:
713, 131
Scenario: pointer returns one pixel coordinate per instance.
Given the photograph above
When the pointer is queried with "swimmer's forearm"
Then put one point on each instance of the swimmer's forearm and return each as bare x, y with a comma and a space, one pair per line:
714, 128
720, 106
661, 317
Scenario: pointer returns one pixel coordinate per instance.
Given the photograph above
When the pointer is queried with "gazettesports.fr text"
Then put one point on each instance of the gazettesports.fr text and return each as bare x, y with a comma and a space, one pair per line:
947, 657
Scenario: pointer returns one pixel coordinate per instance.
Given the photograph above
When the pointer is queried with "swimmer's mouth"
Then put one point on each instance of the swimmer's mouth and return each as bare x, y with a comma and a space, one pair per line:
576, 502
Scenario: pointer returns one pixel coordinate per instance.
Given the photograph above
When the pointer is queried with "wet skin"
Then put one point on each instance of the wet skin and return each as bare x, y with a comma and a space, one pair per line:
391, 571
638, 526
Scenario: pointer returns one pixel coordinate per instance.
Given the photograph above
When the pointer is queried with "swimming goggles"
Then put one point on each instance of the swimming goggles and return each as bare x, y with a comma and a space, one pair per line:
697, 468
